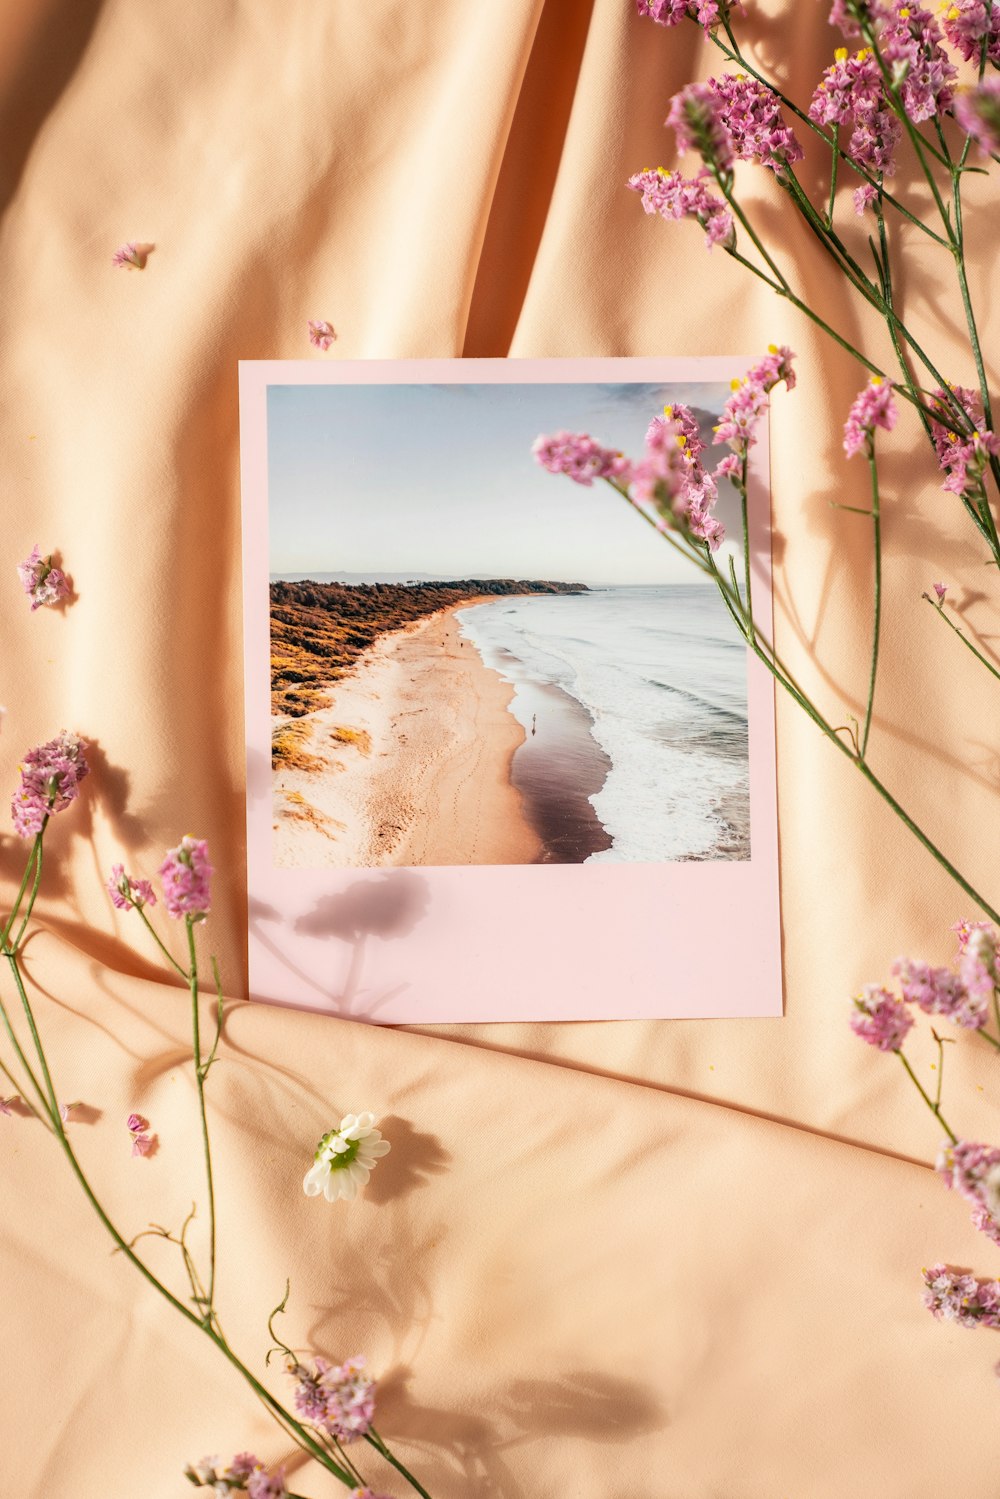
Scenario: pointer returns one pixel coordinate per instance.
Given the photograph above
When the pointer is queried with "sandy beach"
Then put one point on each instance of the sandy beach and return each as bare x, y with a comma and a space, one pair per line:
411, 762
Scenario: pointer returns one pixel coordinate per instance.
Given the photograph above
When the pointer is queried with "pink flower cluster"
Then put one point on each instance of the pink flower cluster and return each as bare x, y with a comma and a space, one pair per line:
674, 196
50, 781
695, 116
186, 873
978, 112
750, 113
138, 1127
955, 1296
127, 892
880, 1018
938, 991
978, 960
321, 333
851, 93
910, 42
963, 457
874, 407
43, 583
671, 12
973, 1170
580, 458
749, 400
339, 1398
967, 23
246, 1474
670, 482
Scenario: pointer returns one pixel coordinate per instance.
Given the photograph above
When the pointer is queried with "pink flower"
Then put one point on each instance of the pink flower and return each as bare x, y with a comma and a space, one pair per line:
5, 1105
261, 1485
66, 1111
963, 455
340, 1399
43, 583
671, 12
142, 1144
674, 196
321, 334
135, 1123
126, 892
580, 458
938, 991
851, 92
955, 1296
880, 1018
973, 1170
749, 399
978, 961
751, 114
185, 873
696, 117
730, 467
864, 197
940, 589
874, 407
50, 781
910, 41
131, 257
967, 22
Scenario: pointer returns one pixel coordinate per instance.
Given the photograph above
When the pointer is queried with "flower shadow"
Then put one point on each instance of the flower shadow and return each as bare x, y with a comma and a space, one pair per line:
415, 1157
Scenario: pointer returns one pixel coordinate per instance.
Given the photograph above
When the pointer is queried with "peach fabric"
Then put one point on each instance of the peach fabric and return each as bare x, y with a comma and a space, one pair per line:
661, 1261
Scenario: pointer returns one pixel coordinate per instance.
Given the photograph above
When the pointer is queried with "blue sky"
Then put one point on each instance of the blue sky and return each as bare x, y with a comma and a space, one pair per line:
440, 479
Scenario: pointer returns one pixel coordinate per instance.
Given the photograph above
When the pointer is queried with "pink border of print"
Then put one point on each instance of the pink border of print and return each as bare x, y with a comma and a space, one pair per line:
552, 942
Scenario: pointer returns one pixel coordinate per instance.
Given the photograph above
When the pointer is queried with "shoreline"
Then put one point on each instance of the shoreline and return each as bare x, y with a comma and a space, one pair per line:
411, 762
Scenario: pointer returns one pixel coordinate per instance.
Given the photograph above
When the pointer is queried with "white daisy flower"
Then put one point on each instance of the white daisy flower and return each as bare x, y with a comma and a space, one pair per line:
345, 1158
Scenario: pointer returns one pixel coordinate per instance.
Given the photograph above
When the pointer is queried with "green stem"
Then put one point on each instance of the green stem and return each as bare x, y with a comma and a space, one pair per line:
934, 1108
156, 938
834, 164
963, 637
376, 1441
199, 1074
877, 622
32, 897
8, 928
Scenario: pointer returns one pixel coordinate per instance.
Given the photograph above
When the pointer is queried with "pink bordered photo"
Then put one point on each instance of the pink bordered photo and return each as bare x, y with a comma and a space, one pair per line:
508, 756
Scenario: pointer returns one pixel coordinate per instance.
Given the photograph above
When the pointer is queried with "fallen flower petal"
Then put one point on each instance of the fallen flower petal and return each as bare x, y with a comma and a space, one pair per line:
321, 333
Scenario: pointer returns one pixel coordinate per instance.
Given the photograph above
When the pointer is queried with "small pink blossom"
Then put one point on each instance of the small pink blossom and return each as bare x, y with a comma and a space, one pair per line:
696, 118
580, 458
127, 892
910, 42
973, 1170
131, 256
967, 22
864, 197
261, 1485
730, 467
880, 1018
751, 114
321, 334
707, 13
135, 1123
955, 1296
50, 781
43, 583
940, 589
142, 1144
749, 399
340, 1399
851, 92
674, 196
5, 1105
874, 407
186, 873
938, 991
67, 1110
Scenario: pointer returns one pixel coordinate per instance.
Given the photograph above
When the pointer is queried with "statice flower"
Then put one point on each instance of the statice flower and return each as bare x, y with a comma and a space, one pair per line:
967, 22
669, 482
749, 399
684, 429
696, 117
50, 781
131, 257
938, 991
321, 334
127, 892
142, 1142
851, 92
345, 1158
977, 110
671, 12
955, 1296
246, 1474
910, 42
43, 583
880, 1018
339, 1398
964, 455
940, 589
261, 1485
674, 196
874, 407
973, 1170
186, 873
580, 458
978, 961
751, 113
864, 197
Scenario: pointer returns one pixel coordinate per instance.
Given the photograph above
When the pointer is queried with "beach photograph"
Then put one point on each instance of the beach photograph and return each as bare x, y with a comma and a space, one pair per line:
474, 662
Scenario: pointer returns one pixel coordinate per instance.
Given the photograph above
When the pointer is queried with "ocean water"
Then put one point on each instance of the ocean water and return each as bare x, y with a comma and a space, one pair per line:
634, 704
